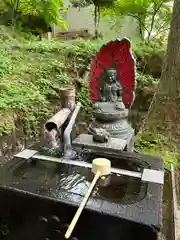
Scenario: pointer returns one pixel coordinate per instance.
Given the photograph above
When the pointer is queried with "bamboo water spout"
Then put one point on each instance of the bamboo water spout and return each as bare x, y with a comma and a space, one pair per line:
53, 125
57, 120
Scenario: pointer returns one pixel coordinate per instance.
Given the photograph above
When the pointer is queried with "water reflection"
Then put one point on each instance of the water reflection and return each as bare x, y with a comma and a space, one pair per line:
57, 179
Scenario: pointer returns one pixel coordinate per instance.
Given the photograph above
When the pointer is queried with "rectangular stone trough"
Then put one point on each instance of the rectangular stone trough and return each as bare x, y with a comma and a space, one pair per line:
39, 198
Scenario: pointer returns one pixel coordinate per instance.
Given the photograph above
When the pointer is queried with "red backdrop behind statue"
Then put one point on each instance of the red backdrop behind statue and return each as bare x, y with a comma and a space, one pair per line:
115, 54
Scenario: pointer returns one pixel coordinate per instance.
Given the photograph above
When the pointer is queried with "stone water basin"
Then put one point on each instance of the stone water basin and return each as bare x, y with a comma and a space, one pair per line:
120, 207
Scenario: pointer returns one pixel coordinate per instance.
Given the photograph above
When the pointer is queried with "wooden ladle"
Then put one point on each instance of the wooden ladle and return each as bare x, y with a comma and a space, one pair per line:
100, 167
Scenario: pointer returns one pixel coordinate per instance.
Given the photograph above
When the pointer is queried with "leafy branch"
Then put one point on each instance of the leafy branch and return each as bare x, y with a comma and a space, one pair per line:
46, 9
152, 15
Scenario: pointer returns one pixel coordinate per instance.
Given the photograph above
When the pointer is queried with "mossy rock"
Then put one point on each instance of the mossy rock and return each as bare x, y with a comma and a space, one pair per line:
151, 64
154, 64
159, 146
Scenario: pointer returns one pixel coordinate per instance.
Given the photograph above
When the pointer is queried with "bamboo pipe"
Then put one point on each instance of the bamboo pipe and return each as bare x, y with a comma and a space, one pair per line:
67, 95
57, 120
100, 167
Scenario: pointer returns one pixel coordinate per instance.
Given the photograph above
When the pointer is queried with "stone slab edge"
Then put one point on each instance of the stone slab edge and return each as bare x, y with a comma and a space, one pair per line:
175, 205
86, 140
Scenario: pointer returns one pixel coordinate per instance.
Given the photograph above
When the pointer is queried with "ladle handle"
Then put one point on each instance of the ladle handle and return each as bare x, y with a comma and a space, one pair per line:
81, 207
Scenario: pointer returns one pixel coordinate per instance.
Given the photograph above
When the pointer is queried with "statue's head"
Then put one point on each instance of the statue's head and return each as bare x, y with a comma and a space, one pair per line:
111, 75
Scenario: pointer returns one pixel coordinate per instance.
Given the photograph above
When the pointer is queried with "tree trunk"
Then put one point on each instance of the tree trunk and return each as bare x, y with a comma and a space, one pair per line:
14, 13
142, 23
164, 113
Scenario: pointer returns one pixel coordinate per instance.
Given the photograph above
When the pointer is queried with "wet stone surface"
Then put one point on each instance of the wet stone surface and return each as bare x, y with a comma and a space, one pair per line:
85, 140
39, 224
118, 196
62, 179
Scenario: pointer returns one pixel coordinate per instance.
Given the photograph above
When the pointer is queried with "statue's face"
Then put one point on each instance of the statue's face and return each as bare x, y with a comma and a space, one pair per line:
111, 75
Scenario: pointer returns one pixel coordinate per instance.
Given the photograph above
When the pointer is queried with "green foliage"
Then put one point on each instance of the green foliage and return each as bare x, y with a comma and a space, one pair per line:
83, 95
153, 16
68, 49
45, 9
6, 123
149, 57
158, 19
99, 3
128, 6
145, 80
48, 9
9, 37
31, 76
27, 87
144, 50
159, 146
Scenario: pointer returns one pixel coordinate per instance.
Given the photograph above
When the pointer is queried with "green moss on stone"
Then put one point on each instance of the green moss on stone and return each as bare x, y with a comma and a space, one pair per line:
158, 145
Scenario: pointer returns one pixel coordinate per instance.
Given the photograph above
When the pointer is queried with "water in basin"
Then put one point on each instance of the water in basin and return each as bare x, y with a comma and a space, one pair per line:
56, 178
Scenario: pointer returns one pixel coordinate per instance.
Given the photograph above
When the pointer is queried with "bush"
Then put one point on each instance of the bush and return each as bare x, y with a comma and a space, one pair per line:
145, 80
149, 57
142, 49
32, 74
33, 71
9, 36
158, 146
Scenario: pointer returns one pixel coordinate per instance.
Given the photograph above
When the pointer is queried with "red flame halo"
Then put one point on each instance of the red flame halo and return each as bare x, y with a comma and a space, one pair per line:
114, 53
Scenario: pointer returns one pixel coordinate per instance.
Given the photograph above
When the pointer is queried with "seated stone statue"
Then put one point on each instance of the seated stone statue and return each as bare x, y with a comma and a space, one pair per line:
110, 94
110, 112
111, 90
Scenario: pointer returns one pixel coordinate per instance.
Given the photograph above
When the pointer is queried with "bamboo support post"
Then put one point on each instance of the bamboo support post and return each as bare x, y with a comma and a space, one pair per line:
68, 97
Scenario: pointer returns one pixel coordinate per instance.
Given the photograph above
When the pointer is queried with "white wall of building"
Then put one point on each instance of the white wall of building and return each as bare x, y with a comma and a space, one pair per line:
79, 19
130, 28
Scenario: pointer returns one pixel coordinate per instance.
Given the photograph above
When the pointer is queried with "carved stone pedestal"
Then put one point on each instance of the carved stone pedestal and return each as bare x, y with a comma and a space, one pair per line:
112, 117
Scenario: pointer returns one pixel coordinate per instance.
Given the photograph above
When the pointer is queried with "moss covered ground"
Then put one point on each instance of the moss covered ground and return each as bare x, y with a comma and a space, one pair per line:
33, 71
